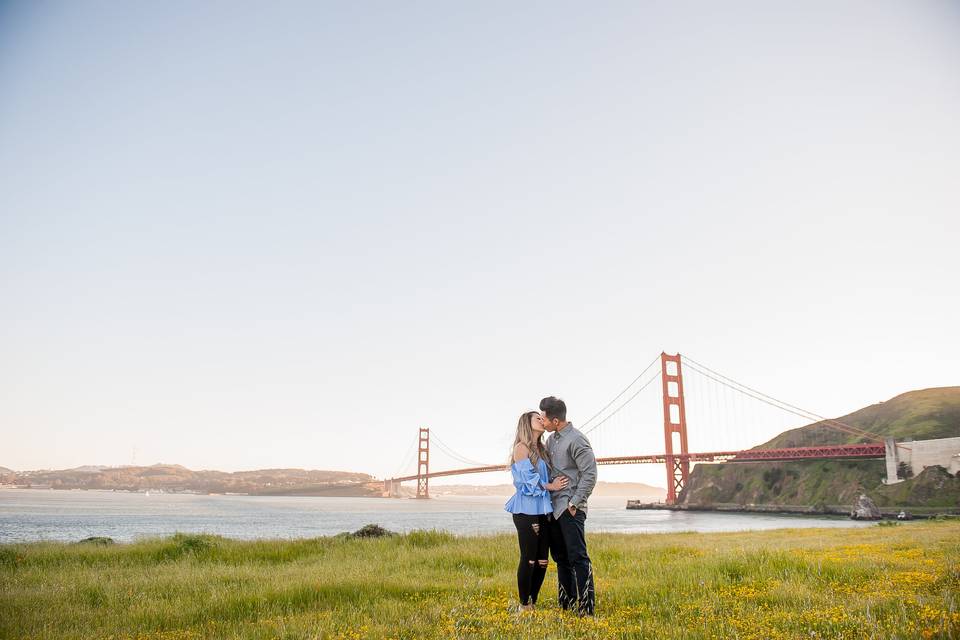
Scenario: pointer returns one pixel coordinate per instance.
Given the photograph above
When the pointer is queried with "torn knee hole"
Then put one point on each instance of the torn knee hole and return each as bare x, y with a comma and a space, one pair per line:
531, 562
542, 563
536, 528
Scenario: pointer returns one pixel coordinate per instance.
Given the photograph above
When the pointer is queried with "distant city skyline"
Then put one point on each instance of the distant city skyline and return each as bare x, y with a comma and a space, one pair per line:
240, 236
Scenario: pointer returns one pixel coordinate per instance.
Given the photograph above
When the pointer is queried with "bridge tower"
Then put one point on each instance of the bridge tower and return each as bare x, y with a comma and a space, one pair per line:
678, 466
423, 464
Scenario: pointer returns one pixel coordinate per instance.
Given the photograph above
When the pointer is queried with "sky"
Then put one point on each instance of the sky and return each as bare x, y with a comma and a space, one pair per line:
239, 235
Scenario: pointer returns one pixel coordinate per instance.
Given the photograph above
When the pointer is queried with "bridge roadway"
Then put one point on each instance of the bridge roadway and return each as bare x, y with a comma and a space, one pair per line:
840, 451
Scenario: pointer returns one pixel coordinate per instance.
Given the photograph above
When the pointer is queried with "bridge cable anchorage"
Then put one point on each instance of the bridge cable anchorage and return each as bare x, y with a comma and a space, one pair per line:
453, 454
780, 404
617, 397
625, 403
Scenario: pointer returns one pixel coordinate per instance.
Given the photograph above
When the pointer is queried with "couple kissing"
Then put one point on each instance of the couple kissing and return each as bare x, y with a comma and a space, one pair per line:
553, 481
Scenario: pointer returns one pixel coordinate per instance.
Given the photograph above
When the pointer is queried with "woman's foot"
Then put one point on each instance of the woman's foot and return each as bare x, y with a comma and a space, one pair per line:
525, 607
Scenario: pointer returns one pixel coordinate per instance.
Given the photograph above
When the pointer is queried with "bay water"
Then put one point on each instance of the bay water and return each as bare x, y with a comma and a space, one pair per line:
44, 514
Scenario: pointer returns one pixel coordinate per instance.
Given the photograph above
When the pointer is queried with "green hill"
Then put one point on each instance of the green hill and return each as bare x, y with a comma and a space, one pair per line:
920, 415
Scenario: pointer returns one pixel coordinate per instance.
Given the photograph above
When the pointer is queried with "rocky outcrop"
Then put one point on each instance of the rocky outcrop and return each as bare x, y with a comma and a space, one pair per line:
933, 487
865, 509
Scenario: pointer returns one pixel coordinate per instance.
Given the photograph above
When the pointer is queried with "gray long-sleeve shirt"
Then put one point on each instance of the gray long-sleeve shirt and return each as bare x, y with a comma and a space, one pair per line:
572, 456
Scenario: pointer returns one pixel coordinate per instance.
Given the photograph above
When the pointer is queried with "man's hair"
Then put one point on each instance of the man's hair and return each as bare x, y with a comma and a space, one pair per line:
554, 408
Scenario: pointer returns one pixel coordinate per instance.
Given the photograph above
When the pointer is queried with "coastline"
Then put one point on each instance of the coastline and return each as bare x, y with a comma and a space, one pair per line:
887, 513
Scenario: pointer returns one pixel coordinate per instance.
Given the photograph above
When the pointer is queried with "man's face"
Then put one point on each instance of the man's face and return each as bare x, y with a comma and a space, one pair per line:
548, 424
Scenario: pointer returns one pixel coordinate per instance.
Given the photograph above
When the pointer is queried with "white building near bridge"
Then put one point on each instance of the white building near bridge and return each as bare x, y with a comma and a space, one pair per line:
920, 454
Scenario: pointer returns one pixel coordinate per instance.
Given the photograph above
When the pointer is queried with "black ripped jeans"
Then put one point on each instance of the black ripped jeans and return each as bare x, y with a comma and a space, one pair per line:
534, 535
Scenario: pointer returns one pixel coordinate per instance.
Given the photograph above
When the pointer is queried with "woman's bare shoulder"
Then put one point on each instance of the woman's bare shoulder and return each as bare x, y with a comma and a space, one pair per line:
520, 451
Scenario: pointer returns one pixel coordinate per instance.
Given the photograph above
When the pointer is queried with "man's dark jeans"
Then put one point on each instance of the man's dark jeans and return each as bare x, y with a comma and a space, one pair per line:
568, 546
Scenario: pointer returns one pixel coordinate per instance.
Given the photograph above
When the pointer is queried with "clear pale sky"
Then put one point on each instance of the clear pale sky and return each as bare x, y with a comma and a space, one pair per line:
248, 235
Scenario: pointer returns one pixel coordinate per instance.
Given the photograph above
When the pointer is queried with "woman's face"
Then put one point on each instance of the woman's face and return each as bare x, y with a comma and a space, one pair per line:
536, 423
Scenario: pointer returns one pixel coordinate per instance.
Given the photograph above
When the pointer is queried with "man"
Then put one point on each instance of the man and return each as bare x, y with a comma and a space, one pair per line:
572, 456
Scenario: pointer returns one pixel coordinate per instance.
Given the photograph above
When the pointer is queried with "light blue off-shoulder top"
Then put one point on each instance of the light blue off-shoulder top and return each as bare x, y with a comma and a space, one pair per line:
530, 498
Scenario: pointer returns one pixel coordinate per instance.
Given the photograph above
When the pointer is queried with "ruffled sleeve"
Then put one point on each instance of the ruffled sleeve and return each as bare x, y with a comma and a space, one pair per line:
527, 478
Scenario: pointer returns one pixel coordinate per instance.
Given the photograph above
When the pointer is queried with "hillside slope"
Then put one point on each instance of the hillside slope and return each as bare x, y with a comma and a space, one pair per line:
923, 414
920, 415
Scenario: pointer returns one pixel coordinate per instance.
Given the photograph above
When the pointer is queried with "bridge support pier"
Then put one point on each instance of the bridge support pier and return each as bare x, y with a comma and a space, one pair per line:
391, 488
678, 466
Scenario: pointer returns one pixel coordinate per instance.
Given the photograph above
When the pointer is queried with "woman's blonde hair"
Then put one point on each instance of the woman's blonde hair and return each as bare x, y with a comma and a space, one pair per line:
527, 436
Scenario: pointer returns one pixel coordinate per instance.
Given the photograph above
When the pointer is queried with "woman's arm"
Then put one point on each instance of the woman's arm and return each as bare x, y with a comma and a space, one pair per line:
531, 485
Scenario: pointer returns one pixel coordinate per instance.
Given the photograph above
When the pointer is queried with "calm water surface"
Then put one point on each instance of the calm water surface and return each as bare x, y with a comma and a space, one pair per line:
36, 514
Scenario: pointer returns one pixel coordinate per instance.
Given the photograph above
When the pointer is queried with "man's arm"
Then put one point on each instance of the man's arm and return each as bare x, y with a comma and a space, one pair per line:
586, 463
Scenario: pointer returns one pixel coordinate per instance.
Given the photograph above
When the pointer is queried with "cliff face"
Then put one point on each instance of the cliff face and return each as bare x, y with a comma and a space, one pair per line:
807, 483
924, 414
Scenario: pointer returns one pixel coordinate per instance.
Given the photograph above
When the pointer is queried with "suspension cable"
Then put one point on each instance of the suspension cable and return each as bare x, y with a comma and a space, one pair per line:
785, 406
626, 402
408, 454
801, 413
617, 397
453, 454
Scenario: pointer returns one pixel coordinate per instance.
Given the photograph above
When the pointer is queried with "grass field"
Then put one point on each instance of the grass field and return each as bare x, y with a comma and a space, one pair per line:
878, 582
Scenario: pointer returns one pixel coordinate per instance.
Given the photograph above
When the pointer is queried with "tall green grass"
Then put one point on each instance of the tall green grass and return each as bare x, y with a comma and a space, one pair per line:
879, 582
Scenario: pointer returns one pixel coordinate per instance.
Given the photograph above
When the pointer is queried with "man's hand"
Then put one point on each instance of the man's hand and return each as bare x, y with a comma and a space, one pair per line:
559, 482
572, 509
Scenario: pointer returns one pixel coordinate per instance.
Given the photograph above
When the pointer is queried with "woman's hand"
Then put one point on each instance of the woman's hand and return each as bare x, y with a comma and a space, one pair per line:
559, 483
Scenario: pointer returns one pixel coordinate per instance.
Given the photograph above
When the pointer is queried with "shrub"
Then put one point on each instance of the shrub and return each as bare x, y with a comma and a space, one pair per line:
100, 541
372, 531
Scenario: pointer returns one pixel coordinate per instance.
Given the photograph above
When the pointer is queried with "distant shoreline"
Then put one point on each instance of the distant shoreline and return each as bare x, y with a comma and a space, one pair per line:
437, 494
189, 492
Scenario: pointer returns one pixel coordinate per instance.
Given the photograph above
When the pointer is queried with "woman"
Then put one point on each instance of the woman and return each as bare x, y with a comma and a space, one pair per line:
530, 505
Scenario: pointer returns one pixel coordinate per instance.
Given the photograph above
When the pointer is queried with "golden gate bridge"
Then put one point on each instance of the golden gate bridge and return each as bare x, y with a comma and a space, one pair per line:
676, 456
